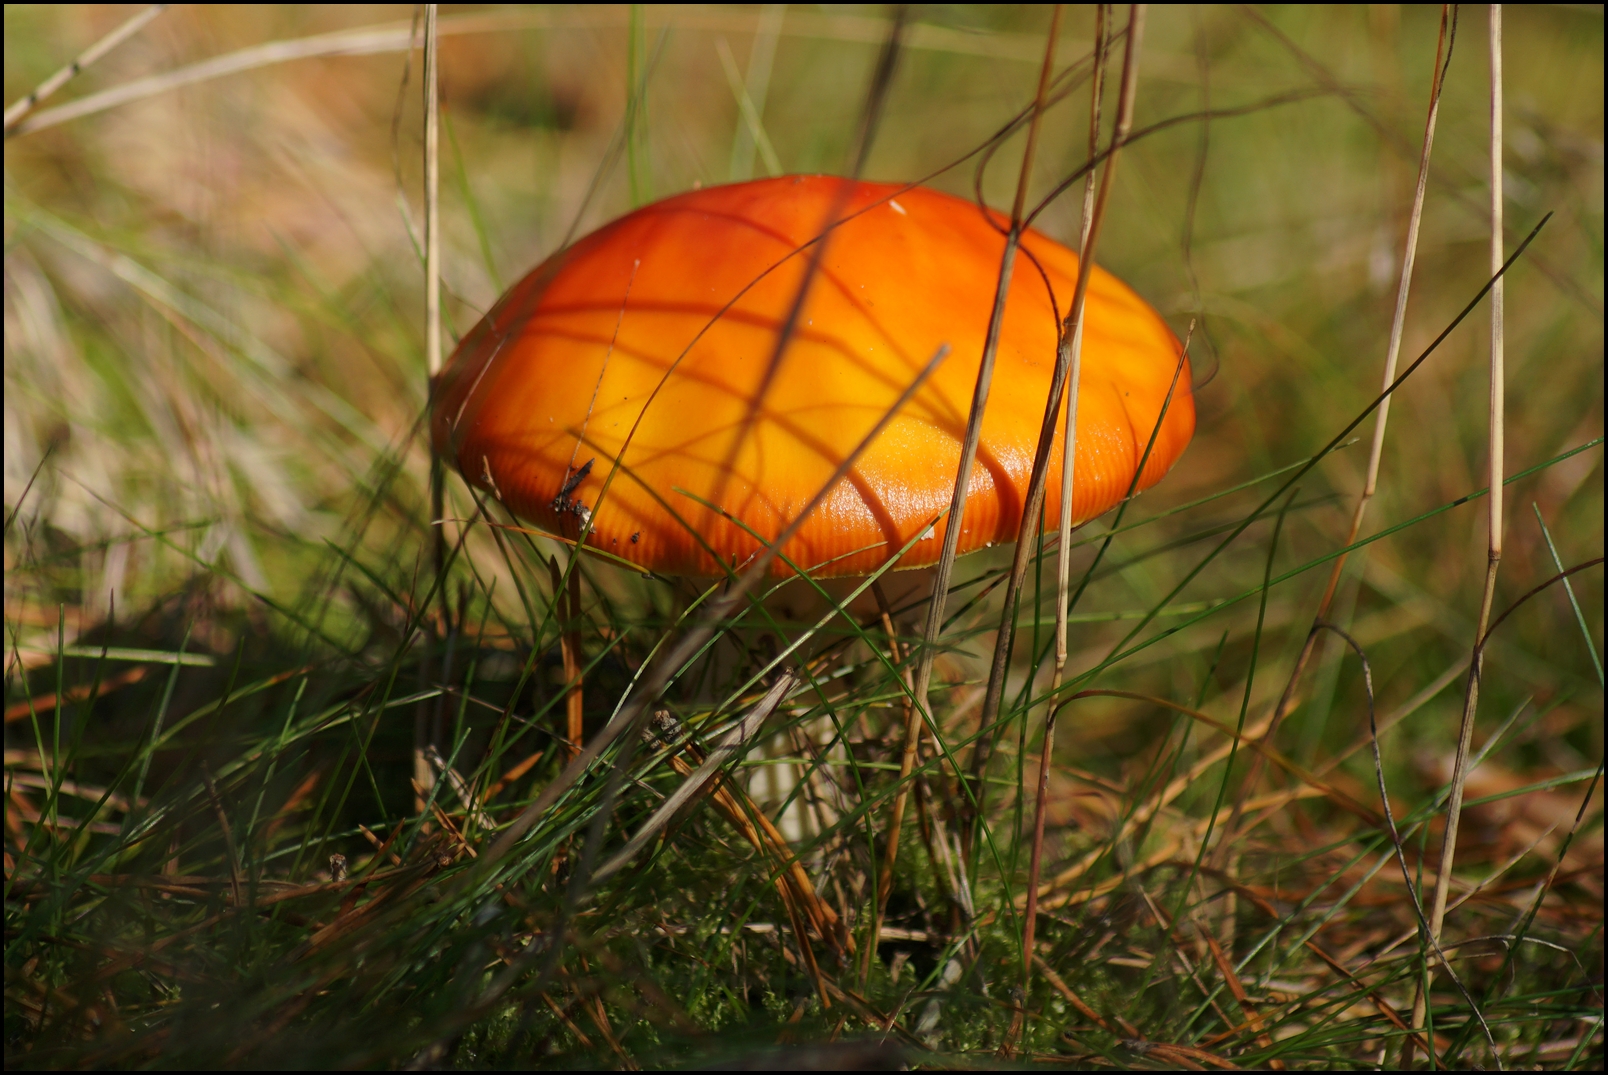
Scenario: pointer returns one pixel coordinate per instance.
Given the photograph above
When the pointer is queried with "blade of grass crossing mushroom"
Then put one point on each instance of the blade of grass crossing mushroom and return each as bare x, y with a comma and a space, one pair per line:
1290, 696
1034, 501
1471, 696
881, 81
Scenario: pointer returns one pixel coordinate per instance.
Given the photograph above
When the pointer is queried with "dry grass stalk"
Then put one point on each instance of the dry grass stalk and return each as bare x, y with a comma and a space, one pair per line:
1070, 996
1237, 988
806, 910
913, 728
1073, 344
228, 836
423, 775
43, 703
432, 194
955, 519
19, 111
1291, 695
1063, 578
460, 787
1033, 503
1465, 735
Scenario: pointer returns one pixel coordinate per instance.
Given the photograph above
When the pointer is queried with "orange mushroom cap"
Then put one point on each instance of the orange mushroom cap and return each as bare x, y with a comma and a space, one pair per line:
615, 384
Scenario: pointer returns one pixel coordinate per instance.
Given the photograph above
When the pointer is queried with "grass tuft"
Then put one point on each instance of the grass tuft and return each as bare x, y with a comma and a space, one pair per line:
296, 778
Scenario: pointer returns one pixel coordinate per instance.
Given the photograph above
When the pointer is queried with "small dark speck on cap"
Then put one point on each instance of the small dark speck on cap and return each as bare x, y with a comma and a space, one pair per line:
635, 537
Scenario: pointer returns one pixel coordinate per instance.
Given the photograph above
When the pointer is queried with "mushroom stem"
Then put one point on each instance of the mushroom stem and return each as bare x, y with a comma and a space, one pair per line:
907, 764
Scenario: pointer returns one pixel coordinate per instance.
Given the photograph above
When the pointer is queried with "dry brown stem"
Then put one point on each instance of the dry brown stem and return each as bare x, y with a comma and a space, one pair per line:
954, 522
1033, 503
1290, 697
19, 110
423, 776
1465, 735
1073, 330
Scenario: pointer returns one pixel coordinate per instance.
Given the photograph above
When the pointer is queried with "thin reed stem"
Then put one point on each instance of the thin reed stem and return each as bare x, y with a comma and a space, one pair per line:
1034, 500
916, 714
18, 110
1063, 579
1290, 697
423, 774
954, 521
568, 603
1036, 854
432, 194
1465, 734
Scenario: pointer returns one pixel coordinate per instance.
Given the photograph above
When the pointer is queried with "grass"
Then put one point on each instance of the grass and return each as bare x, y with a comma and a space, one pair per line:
223, 624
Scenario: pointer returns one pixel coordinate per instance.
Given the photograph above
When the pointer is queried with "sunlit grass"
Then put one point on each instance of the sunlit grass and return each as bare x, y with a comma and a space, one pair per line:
223, 627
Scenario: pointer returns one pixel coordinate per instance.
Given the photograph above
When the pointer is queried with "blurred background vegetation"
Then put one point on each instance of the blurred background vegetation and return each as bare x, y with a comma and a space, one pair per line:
216, 554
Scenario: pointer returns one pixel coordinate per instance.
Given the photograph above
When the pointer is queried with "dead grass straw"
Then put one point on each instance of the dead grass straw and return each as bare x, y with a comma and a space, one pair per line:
164, 912
954, 521
1073, 328
1291, 697
1033, 503
1494, 515
18, 111
423, 775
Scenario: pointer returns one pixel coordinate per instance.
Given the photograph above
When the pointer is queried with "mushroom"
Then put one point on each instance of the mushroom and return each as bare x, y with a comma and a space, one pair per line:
623, 391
